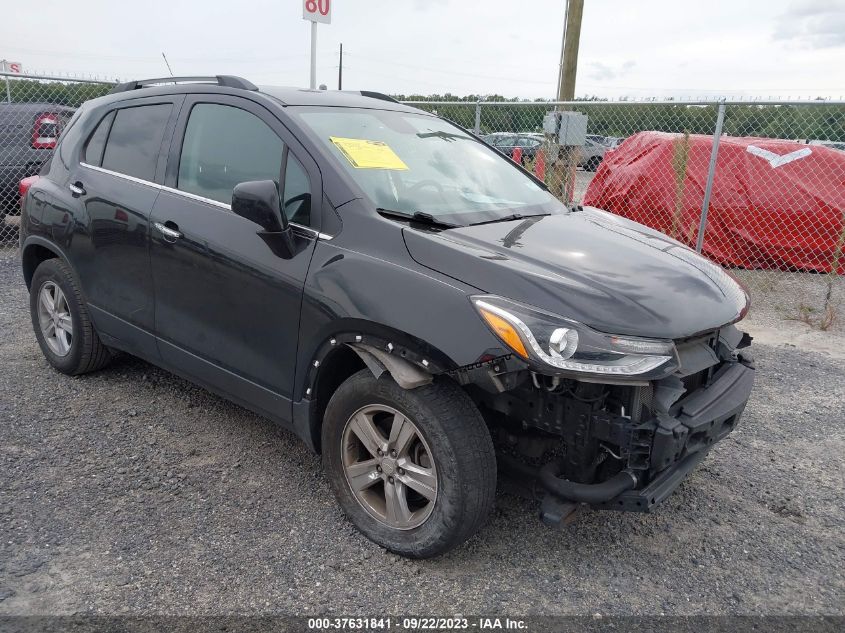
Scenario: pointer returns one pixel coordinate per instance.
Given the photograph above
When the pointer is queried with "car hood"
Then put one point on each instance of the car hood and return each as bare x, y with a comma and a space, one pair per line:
607, 272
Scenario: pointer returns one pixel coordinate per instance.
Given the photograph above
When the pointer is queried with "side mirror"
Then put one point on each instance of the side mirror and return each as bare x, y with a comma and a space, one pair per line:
258, 201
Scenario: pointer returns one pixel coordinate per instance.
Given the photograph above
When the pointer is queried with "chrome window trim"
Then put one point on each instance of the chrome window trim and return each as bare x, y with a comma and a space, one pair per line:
140, 181
193, 196
197, 197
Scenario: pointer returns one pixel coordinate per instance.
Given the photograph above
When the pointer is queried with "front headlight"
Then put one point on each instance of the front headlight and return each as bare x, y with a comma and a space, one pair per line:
567, 345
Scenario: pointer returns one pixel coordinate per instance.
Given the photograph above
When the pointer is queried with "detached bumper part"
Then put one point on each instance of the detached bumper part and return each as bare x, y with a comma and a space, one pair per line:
661, 451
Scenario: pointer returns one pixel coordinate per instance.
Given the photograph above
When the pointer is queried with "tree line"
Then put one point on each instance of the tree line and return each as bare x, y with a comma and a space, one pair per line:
810, 121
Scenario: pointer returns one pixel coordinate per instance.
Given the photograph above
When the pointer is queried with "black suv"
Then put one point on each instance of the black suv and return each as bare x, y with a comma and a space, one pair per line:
397, 293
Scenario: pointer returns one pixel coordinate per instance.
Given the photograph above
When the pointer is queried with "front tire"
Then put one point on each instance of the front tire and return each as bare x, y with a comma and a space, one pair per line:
61, 321
414, 470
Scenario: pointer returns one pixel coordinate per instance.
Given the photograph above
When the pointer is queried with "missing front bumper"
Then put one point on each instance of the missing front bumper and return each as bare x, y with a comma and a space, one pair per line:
665, 449
654, 493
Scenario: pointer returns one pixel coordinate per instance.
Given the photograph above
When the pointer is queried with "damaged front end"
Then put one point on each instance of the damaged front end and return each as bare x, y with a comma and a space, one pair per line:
620, 442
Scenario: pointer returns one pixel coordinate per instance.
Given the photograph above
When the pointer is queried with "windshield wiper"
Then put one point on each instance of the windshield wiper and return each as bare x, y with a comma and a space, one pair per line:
417, 216
512, 216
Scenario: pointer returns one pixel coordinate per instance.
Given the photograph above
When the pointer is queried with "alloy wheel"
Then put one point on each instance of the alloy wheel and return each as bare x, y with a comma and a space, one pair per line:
389, 467
54, 318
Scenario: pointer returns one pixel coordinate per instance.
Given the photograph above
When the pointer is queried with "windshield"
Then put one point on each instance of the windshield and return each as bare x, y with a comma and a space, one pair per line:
413, 163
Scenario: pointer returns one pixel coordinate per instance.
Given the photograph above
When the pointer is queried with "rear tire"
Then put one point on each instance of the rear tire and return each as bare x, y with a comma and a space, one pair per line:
64, 330
455, 448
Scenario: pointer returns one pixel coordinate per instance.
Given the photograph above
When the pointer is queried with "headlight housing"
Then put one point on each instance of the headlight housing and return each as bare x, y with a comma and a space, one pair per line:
569, 346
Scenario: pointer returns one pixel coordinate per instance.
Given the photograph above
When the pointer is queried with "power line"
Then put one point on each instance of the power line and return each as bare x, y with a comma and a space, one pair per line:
447, 72
88, 55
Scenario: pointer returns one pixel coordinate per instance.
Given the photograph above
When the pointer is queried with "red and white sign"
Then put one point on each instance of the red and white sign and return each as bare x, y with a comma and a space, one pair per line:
317, 11
11, 67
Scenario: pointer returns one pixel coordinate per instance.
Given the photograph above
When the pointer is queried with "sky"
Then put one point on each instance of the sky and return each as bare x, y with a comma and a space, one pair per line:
629, 48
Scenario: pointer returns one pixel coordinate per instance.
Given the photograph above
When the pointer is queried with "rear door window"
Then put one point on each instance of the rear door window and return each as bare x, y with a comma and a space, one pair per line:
97, 142
224, 146
135, 140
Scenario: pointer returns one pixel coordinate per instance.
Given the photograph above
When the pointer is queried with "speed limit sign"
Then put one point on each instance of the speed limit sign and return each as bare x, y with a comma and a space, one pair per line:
317, 11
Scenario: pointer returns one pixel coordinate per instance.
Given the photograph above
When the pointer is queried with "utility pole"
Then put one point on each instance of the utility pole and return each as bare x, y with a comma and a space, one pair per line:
563, 181
340, 70
569, 50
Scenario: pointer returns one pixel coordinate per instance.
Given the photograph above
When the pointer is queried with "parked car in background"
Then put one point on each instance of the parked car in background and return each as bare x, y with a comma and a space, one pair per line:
528, 143
837, 145
591, 154
774, 194
28, 134
611, 142
490, 138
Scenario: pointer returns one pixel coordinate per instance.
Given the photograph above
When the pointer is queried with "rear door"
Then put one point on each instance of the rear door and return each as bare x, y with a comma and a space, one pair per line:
227, 308
116, 180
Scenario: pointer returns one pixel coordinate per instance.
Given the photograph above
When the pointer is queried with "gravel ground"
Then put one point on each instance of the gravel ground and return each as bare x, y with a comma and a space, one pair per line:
131, 490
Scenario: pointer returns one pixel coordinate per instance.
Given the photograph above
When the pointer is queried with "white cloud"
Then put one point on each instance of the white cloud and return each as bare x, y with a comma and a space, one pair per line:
609, 72
637, 49
813, 23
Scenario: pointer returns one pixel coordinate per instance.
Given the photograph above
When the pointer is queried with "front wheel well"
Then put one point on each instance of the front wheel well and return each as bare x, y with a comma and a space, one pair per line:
337, 366
32, 257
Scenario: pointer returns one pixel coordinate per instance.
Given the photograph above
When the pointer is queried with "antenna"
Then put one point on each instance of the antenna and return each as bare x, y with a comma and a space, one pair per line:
170, 70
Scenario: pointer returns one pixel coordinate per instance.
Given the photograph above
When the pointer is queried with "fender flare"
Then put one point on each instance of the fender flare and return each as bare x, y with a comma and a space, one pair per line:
396, 346
400, 357
406, 374
37, 240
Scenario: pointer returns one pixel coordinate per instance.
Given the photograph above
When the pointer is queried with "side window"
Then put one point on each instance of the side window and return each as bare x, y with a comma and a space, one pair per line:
224, 146
135, 140
97, 142
297, 192
69, 138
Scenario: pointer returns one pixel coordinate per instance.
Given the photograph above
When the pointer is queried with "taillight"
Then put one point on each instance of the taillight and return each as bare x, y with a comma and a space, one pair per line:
24, 186
45, 132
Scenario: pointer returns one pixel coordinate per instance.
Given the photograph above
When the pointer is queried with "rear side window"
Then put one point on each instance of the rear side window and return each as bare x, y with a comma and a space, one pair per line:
135, 140
97, 142
225, 146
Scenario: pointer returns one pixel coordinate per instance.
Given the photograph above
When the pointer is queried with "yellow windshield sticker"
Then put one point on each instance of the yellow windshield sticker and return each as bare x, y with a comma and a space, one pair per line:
364, 154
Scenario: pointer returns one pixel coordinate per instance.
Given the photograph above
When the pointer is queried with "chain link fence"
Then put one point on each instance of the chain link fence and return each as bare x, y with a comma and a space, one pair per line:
33, 112
758, 187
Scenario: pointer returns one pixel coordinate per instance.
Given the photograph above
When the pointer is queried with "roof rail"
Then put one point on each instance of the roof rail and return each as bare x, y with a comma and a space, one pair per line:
378, 95
229, 81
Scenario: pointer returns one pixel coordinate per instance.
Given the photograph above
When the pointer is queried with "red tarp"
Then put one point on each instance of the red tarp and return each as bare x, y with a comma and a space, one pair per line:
775, 204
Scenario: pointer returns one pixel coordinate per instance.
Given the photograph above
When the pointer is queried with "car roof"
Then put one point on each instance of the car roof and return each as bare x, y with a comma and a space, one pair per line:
334, 98
231, 85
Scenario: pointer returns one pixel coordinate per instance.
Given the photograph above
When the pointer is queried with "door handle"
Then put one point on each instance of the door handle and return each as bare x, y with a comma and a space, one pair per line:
170, 234
76, 188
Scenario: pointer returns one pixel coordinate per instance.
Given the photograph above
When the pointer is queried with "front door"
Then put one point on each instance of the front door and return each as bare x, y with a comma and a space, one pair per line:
227, 309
